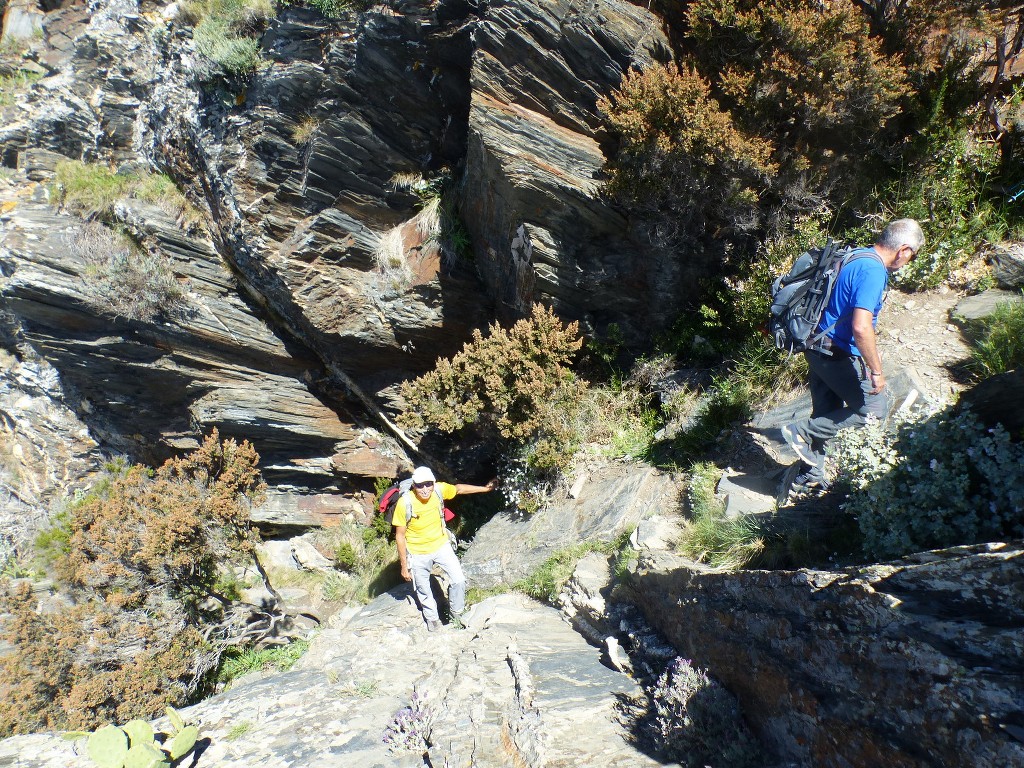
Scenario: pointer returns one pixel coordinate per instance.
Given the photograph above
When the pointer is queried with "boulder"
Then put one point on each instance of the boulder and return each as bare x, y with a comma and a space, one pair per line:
912, 663
1007, 260
973, 309
998, 400
613, 499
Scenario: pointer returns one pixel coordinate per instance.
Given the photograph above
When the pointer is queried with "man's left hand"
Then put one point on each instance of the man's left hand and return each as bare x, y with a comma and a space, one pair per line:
877, 382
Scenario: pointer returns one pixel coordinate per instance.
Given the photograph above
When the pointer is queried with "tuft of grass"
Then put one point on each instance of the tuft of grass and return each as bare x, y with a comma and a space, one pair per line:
14, 84
711, 537
89, 188
237, 56
476, 595
998, 343
238, 730
225, 31
92, 190
237, 662
547, 581
305, 129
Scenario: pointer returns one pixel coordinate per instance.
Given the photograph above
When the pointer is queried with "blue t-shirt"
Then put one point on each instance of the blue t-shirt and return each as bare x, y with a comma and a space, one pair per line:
860, 285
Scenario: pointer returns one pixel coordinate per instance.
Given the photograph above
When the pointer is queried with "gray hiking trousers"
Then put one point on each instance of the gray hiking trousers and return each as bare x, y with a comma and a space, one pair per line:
420, 567
840, 398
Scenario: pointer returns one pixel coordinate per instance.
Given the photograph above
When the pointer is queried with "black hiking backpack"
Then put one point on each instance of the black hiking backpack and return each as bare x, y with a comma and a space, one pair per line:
799, 297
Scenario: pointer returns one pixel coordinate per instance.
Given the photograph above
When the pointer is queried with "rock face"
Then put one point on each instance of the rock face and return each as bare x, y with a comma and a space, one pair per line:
533, 184
913, 663
610, 502
316, 283
517, 687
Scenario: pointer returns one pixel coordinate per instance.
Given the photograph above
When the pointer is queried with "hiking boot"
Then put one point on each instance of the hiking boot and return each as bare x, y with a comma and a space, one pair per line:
798, 445
433, 625
457, 621
809, 483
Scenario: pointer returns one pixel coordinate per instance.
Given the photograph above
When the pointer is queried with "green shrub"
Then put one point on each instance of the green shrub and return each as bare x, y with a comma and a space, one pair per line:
708, 535
949, 185
810, 74
345, 556
939, 480
680, 151
515, 384
334, 9
997, 345
695, 722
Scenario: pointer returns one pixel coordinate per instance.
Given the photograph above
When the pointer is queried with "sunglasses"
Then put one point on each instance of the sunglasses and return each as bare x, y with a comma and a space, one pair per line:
426, 484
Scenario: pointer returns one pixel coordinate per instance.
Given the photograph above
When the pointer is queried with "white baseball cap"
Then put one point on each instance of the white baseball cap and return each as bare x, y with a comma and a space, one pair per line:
422, 475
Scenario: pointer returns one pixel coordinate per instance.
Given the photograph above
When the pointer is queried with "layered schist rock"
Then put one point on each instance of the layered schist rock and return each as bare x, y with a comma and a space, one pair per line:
919, 662
142, 388
295, 170
533, 196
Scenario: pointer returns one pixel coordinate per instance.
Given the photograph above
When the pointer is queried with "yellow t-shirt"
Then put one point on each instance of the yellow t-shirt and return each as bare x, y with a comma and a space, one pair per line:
424, 533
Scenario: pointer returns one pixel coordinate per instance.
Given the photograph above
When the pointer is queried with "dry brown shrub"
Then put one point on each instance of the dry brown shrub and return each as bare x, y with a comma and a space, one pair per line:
139, 623
679, 148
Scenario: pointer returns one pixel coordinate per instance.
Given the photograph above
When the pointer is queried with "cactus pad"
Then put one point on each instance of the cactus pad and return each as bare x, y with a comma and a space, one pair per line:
108, 747
146, 756
139, 732
182, 744
176, 722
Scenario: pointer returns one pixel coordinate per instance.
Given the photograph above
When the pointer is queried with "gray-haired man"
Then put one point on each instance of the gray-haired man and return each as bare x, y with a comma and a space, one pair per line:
847, 380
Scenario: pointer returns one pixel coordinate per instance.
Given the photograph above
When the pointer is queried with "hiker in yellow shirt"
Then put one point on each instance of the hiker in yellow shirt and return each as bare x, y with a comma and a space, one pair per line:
422, 541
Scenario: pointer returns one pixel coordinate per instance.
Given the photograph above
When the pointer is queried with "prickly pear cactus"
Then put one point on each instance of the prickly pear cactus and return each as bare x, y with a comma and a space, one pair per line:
182, 743
146, 756
139, 732
108, 747
176, 722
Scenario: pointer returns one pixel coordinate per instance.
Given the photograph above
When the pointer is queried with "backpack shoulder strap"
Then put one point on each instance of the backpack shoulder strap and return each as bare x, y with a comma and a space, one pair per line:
407, 499
440, 504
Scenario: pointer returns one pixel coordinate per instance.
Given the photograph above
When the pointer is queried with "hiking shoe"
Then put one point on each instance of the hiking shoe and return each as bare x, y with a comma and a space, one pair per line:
809, 483
798, 445
433, 625
458, 621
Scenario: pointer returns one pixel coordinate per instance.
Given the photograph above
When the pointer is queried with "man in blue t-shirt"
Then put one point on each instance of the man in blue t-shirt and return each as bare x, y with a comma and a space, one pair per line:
848, 385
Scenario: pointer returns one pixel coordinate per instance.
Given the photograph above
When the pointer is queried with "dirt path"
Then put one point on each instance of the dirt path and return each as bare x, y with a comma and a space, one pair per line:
915, 331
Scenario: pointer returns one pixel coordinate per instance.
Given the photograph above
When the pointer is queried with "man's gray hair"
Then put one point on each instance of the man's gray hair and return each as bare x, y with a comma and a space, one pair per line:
901, 232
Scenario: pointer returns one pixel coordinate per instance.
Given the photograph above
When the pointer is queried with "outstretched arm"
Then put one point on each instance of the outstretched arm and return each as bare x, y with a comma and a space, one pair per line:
466, 488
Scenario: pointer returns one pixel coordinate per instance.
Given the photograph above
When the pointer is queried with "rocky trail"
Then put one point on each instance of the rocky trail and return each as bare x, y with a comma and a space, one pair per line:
517, 687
